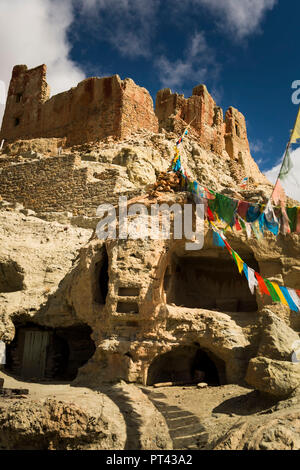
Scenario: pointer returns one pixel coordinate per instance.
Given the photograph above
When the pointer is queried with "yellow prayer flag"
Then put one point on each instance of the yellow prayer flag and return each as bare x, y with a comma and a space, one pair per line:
296, 131
279, 293
240, 262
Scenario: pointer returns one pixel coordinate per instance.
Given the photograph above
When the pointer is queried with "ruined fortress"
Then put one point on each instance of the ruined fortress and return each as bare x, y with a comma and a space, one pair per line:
111, 107
98, 110
143, 311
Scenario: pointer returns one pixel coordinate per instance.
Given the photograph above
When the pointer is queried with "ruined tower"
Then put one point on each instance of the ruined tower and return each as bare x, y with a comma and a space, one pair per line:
95, 109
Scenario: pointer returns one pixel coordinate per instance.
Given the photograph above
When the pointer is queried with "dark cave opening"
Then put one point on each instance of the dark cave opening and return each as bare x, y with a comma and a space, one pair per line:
11, 276
49, 353
184, 364
209, 283
101, 279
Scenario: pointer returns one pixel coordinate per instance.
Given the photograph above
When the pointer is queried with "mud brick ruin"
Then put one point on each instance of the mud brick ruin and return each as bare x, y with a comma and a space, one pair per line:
96, 110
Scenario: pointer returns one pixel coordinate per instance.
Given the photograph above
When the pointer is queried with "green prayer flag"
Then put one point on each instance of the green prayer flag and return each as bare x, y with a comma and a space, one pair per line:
213, 204
273, 293
225, 207
242, 224
292, 213
287, 165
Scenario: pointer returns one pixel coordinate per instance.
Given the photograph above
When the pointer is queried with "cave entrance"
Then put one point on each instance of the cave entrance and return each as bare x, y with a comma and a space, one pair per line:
101, 279
45, 353
211, 283
11, 276
184, 364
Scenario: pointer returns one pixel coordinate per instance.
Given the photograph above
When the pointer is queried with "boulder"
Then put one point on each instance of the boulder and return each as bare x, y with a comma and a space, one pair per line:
277, 338
276, 378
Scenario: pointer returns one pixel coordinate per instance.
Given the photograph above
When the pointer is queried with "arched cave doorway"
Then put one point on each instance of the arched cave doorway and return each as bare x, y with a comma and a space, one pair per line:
49, 353
209, 282
101, 279
183, 364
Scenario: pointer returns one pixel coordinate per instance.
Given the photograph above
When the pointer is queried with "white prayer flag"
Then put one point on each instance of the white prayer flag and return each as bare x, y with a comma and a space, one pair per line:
2, 352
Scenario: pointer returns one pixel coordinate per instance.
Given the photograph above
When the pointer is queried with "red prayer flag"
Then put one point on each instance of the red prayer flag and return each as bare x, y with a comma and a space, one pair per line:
210, 215
261, 283
285, 220
227, 246
208, 194
237, 225
278, 193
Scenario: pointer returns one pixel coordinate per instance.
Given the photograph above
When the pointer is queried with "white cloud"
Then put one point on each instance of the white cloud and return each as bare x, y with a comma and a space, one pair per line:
292, 183
197, 64
257, 146
128, 25
240, 17
35, 32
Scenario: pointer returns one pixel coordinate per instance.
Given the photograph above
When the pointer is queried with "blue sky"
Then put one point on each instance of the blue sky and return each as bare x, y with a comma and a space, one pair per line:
245, 51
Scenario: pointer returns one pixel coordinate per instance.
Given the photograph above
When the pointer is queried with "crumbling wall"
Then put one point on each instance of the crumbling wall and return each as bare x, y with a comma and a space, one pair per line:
236, 134
200, 108
28, 90
95, 109
175, 112
237, 146
57, 184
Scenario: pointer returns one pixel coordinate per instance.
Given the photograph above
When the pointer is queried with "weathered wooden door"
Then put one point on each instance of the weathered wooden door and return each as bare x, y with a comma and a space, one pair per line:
34, 357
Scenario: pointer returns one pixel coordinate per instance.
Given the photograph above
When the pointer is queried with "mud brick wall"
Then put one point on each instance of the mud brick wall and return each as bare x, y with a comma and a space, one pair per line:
236, 134
207, 118
28, 90
95, 109
56, 184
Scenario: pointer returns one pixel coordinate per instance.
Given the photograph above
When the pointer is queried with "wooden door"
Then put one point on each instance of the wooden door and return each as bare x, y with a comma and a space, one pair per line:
34, 356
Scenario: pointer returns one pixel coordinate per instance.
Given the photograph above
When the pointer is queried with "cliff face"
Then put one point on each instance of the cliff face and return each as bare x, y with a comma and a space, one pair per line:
143, 311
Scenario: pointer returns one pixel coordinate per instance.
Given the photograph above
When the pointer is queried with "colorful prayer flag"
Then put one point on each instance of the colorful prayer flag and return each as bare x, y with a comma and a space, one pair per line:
261, 284
293, 306
278, 193
296, 131
286, 167
238, 260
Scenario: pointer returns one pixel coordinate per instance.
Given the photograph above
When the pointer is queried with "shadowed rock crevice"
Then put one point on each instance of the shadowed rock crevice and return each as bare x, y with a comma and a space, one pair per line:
49, 353
11, 276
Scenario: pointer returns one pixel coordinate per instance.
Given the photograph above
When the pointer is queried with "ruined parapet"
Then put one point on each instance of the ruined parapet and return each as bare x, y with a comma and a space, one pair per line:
28, 90
137, 109
236, 134
97, 108
174, 112
237, 147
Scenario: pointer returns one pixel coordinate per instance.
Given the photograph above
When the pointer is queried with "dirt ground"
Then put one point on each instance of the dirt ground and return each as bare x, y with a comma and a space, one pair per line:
194, 417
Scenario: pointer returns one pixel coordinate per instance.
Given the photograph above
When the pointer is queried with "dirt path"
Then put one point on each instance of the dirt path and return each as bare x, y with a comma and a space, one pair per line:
195, 416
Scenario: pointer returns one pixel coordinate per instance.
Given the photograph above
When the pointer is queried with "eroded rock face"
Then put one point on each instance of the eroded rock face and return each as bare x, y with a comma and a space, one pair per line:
277, 338
35, 256
278, 429
277, 378
58, 425
150, 310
